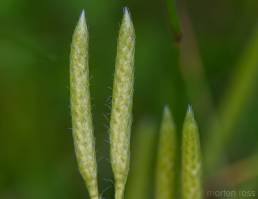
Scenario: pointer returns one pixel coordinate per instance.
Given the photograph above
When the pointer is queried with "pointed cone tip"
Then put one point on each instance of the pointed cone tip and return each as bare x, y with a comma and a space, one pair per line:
82, 19
126, 11
189, 108
190, 113
82, 14
167, 116
166, 110
127, 15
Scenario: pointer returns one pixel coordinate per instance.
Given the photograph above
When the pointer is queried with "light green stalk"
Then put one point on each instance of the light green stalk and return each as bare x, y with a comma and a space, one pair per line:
139, 185
84, 142
191, 159
122, 101
165, 171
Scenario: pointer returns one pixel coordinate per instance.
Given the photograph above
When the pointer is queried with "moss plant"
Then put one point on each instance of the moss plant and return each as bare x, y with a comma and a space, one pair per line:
165, 171
81, 109
191, 158
122, 101
120, 124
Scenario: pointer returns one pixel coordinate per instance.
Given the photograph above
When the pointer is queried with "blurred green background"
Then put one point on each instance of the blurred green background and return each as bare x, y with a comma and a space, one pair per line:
216, 56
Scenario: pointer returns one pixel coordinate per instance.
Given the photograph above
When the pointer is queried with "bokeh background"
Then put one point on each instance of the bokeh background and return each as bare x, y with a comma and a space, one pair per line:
213, 67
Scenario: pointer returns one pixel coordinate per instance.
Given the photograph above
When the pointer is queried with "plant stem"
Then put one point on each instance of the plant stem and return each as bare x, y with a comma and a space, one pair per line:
174, 20
140, 180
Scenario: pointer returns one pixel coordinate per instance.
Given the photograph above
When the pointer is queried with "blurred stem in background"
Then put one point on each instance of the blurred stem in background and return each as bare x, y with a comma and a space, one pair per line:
142, 161
192, 68
190, 61
240, 176
237, 173
232, 105
174, 20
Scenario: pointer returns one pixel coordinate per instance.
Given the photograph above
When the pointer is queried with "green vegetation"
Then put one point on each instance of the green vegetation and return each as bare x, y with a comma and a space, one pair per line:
199, 53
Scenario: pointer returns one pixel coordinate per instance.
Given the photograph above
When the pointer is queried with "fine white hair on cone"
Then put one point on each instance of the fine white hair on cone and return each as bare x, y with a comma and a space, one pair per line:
122, 101
84, 141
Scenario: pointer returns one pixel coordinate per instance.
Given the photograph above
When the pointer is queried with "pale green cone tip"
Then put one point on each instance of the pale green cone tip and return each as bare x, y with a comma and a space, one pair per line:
127, 24
127, 17
167, 121
81, 26
190, 115
82, 15
167, 114
191, 158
